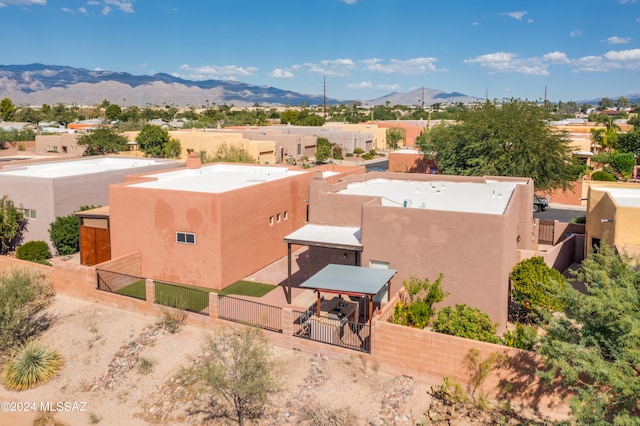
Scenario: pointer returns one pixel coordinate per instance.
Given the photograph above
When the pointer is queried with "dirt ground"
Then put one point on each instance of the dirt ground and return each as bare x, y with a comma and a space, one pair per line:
100, 382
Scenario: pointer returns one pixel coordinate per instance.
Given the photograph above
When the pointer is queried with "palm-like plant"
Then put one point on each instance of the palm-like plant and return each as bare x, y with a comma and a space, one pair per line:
33, 363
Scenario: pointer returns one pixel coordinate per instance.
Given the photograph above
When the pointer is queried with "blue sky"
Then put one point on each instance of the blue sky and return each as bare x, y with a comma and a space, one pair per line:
578, 49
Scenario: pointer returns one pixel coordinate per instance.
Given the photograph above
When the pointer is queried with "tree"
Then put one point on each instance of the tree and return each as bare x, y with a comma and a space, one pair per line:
12, 224
152, 140
512, 139
605, 103
103, 140
172, 149
63, 115
593, 347
7, 109
394, 136
113, 112
238, 371
630, 141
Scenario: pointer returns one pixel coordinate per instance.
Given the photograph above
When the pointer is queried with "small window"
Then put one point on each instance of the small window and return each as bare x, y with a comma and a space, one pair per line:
185, 237
271, 220
278, 217
286, 215
29, 214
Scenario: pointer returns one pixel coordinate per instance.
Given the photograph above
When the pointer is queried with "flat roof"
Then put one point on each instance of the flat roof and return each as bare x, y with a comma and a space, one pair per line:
489, 197
341, 237
77, 167
350, 279
216, 178
627, 197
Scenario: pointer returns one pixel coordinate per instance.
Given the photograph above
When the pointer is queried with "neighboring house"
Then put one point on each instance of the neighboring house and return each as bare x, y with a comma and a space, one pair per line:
48, 190
613, 213
208, 142
62, 143
210, 225
470, 229
411, 161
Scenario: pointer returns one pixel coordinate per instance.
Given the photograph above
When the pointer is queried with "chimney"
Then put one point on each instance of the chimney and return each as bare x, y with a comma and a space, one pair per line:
193, 162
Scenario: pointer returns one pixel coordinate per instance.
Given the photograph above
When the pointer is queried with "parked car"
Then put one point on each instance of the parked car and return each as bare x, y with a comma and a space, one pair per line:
540, 204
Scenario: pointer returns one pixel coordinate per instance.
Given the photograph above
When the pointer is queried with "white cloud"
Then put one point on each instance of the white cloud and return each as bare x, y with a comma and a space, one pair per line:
631, 55
83, 10
349, 1
618, 40
67, 10
280, 73
93, 3
227, 72
4, 3
123, 5
397, 66
575, 33
332, 67
518, 15
106, 10
510, 63
359, 86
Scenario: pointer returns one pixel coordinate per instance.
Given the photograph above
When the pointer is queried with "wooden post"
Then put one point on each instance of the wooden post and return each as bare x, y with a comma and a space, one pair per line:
289, 272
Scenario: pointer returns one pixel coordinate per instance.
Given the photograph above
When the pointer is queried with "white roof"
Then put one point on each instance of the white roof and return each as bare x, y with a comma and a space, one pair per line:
490, 196
627, 197
216, 178
347, 237
77, 167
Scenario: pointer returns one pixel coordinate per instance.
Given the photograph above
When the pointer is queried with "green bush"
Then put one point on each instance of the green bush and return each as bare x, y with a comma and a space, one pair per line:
32, 364
23, 294
367, 156
522, 337
65, 234
465, 321
358, 151
601, 175
34, 251
537, 288
624, 163
417, 310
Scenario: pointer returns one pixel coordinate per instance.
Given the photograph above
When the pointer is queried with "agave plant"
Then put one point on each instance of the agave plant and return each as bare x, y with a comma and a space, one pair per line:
32, 363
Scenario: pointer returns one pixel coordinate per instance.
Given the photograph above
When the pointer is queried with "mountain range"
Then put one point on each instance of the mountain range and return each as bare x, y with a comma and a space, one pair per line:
37, 84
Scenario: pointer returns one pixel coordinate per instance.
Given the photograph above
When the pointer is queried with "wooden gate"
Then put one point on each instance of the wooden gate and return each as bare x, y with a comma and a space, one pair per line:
545, 232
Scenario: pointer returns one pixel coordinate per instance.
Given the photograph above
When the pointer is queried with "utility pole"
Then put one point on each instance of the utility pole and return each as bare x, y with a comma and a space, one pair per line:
324, 91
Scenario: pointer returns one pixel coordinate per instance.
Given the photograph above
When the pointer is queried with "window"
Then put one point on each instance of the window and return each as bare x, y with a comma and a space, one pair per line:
286, 215
278, 217
185, 237
29, 214
271, 220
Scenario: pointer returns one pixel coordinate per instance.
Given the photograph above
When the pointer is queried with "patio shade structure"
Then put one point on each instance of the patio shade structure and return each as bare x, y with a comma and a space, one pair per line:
328, 236
352, 281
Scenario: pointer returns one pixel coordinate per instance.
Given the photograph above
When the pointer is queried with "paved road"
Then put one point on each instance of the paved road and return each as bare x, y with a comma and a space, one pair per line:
561, 213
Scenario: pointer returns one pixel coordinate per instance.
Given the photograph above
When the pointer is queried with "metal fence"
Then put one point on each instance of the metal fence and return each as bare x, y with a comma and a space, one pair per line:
337, 332
125, 285
252, 313
182, 297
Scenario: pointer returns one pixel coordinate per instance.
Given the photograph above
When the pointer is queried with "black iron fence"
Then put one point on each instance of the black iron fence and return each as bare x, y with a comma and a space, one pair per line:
252, 313
123, 284
182, 297
332, 331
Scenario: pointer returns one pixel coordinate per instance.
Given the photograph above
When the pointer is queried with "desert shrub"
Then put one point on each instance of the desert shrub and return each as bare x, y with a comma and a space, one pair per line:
537, 288
367, 156
65, 234
144, 365
601, 175
416, 309
31, 364
522, 337
23, 294
174, 313
465, 321
238, 373
581, 219
327, 416
358, 151
349, 155
34, 251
